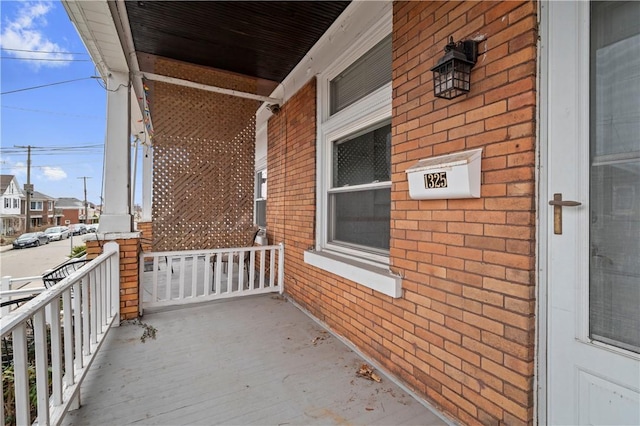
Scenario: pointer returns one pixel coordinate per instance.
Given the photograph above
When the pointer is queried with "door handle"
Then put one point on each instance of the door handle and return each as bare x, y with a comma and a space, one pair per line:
558, 203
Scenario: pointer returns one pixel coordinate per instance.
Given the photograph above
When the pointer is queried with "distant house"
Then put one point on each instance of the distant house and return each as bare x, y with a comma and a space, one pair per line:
72, 210
11, 221
41, 209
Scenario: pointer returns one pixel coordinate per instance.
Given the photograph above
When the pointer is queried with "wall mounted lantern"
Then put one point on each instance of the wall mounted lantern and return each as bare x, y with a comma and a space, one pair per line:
452, 73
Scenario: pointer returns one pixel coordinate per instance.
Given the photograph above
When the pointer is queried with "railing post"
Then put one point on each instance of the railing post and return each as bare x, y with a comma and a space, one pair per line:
5, 285
281, 268
109, 247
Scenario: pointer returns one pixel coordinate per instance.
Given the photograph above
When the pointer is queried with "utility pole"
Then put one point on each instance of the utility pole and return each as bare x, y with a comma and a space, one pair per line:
86, 205
28, 188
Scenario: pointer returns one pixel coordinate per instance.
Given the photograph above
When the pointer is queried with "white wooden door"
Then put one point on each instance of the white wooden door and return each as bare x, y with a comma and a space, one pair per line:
592, 157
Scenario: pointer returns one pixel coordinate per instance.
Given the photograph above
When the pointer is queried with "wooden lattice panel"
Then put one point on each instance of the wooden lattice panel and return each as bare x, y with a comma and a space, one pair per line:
203, 161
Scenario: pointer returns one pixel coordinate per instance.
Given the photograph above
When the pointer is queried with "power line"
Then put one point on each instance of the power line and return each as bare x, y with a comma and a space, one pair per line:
45, 59
61, 147
52, 112
44, 51
45, 85
56, 150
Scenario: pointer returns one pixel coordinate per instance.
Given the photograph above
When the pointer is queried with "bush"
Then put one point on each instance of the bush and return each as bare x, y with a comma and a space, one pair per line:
78, 251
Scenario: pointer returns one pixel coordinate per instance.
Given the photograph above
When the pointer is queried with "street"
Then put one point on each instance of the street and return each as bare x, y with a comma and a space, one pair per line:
35, 260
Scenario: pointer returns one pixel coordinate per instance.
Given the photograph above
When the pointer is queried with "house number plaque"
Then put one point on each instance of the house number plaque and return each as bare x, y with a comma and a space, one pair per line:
435, 180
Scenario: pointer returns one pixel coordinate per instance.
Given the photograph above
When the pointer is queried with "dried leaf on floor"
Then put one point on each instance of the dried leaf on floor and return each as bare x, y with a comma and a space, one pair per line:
315, 341
367, 372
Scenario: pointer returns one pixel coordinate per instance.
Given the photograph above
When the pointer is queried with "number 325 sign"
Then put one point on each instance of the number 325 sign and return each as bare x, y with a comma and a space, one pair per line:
435, 180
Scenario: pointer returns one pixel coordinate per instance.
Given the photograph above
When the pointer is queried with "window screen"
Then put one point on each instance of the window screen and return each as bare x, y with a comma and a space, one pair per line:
361, 210
363, 159
364, 76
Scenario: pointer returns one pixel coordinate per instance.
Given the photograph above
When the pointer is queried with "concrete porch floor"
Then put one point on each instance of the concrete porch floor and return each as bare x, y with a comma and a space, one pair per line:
252, 360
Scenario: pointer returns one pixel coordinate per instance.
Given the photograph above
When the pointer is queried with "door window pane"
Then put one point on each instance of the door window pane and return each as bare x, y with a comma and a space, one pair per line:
614, 290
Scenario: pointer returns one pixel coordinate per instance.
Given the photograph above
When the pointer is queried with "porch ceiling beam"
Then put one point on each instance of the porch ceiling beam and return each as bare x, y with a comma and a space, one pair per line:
215, 89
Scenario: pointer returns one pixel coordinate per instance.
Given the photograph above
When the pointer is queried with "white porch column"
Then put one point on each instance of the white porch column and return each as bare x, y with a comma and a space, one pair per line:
116, 215
147, 182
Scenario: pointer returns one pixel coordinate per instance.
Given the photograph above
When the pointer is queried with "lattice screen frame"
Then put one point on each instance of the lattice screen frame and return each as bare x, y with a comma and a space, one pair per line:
203, 160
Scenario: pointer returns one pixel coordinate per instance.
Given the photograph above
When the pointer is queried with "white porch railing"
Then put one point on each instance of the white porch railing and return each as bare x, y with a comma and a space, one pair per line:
10, 295
79, 322
181, 277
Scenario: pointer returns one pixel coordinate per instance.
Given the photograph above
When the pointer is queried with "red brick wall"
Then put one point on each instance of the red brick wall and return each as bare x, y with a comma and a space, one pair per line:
468, 264
292, 179
462, 335
71, 215
129, 272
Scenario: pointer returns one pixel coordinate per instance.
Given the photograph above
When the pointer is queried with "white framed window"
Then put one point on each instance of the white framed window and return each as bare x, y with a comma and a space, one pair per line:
16, 203
260, 207
359, 196
354, 163
354, 104
50, 205
36, 205
7, 203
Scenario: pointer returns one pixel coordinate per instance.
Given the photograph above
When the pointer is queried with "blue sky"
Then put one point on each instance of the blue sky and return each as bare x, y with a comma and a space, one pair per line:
65, 121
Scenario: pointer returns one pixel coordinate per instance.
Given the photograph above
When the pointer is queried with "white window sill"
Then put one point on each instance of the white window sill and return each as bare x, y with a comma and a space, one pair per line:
370, 276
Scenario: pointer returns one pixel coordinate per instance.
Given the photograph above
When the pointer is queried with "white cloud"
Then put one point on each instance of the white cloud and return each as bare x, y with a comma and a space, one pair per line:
53, 173
19, 169
25, 33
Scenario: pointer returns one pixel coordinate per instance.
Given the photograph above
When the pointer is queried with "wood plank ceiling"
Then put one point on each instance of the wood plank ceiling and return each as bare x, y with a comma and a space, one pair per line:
263, 39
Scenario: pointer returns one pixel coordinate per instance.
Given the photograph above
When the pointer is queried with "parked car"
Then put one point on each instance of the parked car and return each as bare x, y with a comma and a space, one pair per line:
78, 229
93, 227
31, 239
56, 233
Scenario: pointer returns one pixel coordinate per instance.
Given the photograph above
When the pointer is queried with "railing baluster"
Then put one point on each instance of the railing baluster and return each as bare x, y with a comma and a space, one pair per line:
262, 267
42, 364
218, 270
181, 279
78, 323
230, 271
194, 276
105, 296
252, 269
272, 267
86, 318
56, 350
68, 338
207, 274
169, 261
93, 309
21, 375
241, 267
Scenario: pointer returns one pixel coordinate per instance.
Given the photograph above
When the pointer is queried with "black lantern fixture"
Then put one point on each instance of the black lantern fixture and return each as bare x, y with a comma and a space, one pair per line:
452, 74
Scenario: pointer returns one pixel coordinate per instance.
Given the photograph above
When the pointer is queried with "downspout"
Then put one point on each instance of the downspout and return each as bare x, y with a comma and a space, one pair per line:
132, 59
